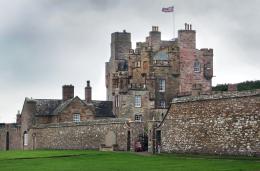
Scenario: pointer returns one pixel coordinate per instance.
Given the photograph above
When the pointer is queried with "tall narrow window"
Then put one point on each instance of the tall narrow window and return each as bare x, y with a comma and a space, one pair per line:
76, 117
196, 66
161, 85
138, 102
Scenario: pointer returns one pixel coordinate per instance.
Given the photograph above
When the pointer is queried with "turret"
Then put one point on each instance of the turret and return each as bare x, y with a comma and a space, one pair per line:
154, 38
120, 45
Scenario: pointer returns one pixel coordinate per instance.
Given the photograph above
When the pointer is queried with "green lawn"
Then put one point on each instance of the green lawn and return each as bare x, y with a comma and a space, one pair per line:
77, 160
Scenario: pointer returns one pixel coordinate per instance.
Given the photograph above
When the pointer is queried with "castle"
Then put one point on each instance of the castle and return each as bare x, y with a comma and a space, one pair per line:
142, 82
159, 98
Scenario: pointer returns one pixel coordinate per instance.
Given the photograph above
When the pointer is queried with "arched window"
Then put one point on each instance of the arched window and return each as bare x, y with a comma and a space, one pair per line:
196, 66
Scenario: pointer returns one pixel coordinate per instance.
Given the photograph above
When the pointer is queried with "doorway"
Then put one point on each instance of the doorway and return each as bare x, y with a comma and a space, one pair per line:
128, 140
7, 141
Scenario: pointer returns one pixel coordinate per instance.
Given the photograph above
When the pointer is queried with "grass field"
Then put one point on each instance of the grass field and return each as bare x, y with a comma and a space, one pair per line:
79, 160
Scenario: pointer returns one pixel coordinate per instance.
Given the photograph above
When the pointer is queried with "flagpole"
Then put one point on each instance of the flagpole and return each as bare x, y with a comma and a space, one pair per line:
173, 22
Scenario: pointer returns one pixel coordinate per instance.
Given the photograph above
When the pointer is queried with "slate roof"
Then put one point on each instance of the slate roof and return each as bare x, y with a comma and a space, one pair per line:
46, 107
103, 108
51, 107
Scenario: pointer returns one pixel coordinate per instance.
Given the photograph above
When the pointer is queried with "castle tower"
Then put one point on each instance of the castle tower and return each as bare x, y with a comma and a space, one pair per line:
196, 69
120, 45
187, 37
154, 39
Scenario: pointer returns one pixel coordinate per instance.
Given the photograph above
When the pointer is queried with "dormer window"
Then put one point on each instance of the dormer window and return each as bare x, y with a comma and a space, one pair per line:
196, 66
76, 118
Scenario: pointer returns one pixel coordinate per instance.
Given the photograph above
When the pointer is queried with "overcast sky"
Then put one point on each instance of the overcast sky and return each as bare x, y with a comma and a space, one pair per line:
47, 43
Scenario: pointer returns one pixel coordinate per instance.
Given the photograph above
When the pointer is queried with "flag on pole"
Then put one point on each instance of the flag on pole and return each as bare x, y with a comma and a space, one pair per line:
169, 9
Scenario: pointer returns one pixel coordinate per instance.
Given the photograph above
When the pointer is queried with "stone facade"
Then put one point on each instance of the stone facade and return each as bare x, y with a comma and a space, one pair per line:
227, 123
157, 71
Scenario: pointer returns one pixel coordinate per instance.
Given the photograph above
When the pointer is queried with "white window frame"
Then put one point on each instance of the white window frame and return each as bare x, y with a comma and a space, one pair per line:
76, 117
196, 66
162, 84
138, 101
138, 117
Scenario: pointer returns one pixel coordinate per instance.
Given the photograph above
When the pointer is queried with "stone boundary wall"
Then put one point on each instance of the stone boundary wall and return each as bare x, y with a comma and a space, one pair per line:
84, 135
13, 132
227, 123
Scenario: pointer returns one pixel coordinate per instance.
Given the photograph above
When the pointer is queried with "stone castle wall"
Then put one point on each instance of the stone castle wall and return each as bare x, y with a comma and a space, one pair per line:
84, 135
227, 123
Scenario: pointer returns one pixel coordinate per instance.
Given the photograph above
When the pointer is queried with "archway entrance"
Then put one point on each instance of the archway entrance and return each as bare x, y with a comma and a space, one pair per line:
128, 140
143, 139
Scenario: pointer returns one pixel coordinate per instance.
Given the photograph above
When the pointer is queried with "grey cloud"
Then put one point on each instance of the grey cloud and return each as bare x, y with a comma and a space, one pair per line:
47, 43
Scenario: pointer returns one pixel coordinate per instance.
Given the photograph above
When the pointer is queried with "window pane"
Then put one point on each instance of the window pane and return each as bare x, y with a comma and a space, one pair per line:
76, 118
162, 85
138, 101
196, 66
138, 117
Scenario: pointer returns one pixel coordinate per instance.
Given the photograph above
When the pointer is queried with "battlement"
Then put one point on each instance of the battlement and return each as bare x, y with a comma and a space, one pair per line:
207, 52
121, 36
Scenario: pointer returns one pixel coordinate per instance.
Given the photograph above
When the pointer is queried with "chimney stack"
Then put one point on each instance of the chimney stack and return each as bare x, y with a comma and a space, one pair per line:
88, 92
67, 92
18, 118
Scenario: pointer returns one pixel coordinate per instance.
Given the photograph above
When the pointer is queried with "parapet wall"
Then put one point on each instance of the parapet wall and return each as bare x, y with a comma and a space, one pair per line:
227, 123
85, 135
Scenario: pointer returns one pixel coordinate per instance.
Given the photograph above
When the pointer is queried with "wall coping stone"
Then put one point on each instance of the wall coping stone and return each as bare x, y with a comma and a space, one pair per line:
216, 96
85, 123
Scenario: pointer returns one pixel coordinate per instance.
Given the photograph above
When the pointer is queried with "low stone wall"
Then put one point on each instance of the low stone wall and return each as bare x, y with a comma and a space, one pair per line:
84, 135
10, 137
227, 123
